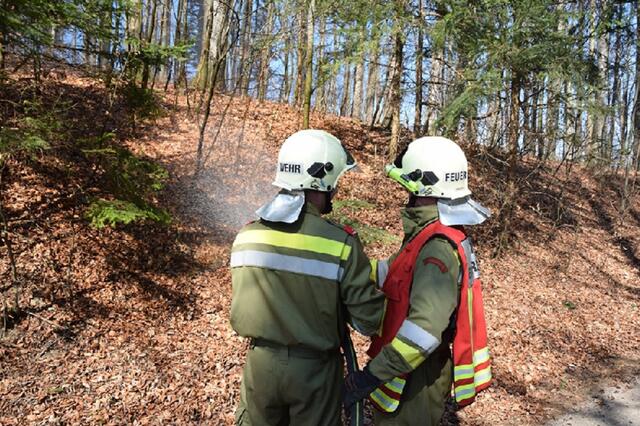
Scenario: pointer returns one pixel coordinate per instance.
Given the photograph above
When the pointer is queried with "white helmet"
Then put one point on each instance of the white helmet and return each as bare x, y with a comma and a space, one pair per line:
432, 166
312, 159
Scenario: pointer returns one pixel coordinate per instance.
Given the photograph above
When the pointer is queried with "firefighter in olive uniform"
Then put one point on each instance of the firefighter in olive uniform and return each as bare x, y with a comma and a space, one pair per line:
434, 295
292, 272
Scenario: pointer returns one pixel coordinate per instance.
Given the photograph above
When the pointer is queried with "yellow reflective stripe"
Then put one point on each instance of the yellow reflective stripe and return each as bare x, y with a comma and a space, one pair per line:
384, 401
463, 372
482, 376
464, 366
410, 354
466, 371
373, 275
481, 355
396, 385
295, 241
465, 391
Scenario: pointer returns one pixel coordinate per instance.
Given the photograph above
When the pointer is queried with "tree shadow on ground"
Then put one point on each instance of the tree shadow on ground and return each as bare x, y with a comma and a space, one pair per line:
615, 285
596, 407
627, 246
50, 236
635, 215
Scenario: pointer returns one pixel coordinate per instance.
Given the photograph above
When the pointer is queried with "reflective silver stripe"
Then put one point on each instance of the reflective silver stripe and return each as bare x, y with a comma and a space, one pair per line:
463, 372
385, 401
383, 270
482, 376
416, 334
481, 356
396, 385
472, 261
462, 393
281, 262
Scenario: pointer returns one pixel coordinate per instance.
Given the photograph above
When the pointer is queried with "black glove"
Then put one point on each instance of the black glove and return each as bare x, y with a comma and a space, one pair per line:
358, 385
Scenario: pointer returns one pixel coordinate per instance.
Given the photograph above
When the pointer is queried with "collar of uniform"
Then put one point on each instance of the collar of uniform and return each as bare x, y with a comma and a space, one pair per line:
415, 218
311, 209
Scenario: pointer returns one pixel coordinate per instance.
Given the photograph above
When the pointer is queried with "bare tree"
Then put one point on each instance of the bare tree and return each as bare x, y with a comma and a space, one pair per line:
308, 64
396, 86
417, 119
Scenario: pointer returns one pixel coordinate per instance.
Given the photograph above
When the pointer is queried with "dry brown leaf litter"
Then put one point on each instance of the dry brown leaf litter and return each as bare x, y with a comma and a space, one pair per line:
143, 311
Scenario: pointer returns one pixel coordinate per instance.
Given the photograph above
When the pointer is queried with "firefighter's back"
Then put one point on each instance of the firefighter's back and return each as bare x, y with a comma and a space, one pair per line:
285, 279
285, 298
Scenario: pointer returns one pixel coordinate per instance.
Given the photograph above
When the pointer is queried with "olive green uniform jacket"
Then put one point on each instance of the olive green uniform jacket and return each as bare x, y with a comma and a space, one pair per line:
289, 283
421, 347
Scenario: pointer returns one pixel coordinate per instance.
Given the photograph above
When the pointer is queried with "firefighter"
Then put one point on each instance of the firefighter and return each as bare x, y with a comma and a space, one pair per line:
292, 271
434, 296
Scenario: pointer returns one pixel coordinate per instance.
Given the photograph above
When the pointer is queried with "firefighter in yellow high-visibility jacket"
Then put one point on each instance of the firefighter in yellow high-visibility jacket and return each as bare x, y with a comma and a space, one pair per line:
292, 271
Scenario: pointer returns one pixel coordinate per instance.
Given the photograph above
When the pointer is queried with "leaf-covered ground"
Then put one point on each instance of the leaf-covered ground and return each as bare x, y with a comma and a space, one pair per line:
130, 326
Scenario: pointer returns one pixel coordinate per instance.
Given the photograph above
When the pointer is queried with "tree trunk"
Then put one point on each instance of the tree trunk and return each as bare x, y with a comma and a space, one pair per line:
297, 94
308, 64
514, 125
590, 134
166, 31
382, 105
372, 84
244, 73
219, 16
177, 39
215, 43
396, 89
104, 54
417, 119
265, 54
614, 109
358, 82
346, 85
320, 73
493, 122
635, 141
436, 88
332, 97
601, 96
285, 90
149, 38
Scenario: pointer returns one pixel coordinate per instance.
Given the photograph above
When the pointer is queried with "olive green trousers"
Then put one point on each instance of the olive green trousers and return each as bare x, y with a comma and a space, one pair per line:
282, 388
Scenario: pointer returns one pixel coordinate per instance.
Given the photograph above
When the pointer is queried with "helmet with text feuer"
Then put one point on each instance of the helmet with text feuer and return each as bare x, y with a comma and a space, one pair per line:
432, 166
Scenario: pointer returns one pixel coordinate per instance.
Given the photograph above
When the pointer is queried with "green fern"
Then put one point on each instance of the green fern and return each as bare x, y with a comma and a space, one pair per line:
131, 180
103, 213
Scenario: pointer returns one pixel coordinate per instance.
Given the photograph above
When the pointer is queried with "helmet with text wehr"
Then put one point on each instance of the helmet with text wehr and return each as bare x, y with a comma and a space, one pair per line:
312, 159
432, 166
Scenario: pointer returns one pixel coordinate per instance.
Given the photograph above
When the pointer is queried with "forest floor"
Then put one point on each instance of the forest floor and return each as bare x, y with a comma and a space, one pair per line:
130, 325
613, 406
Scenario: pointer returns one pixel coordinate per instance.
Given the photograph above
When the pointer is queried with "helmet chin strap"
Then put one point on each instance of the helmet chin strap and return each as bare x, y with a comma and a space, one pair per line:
415, 201
328, 204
